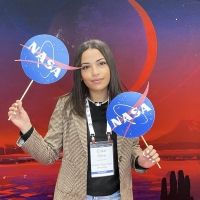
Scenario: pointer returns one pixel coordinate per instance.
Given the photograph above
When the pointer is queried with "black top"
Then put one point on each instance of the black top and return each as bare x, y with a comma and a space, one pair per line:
101, 186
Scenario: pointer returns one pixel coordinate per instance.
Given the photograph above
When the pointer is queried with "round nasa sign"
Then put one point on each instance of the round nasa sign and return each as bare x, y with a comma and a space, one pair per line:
42, 57
130, 114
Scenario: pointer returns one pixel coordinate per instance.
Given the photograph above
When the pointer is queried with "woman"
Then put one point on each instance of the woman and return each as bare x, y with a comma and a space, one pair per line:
96, 164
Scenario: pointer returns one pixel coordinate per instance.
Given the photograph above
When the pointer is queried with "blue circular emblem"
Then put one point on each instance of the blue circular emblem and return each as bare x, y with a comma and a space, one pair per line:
42, 58
130, 114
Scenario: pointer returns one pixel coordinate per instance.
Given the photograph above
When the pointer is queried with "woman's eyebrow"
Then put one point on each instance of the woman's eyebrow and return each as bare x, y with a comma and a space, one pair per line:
96, 61
85, 63
100, 59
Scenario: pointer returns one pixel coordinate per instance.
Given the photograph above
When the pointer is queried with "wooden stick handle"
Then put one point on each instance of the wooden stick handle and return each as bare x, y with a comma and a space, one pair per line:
147, 146
24, 94
26, 90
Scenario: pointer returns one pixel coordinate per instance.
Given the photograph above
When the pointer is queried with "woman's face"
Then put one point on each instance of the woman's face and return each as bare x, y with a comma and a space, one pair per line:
95, 71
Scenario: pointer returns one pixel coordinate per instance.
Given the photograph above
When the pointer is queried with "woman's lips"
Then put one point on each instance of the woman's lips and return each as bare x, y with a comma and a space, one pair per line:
97, 80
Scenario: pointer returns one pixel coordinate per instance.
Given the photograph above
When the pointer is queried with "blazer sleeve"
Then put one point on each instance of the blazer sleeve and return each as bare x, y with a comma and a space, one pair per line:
135, 153
46, 150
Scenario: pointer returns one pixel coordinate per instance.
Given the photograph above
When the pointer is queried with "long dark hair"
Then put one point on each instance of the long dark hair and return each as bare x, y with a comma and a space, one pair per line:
79, 91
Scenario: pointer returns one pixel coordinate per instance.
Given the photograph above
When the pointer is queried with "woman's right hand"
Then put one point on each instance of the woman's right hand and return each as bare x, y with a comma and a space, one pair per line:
19, 116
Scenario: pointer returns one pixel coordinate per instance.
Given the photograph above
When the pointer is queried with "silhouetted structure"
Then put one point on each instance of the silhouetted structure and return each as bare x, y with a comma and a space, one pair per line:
179, 190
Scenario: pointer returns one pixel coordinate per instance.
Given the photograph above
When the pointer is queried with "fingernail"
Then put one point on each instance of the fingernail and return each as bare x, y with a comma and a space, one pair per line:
147, 151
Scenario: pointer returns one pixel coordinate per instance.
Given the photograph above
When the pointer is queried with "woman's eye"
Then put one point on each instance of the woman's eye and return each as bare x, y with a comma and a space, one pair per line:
84, 67
102, 63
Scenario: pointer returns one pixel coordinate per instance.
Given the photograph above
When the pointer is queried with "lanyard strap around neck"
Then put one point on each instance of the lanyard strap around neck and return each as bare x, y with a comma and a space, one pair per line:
90, 125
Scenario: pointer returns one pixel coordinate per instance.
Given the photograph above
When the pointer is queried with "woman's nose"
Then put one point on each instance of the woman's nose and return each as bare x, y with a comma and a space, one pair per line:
95, 70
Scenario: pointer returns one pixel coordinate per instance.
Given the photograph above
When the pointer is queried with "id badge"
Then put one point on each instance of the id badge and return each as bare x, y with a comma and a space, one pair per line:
101, 156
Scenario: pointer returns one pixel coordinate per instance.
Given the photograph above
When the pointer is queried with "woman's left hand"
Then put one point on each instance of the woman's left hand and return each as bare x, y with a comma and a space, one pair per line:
148, 157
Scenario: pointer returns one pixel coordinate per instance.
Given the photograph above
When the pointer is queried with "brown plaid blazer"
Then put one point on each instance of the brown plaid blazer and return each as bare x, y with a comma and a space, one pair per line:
69, 133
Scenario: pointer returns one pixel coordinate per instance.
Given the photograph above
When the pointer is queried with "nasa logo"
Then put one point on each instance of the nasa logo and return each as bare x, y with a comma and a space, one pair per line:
127, 118
40, 58
133, 113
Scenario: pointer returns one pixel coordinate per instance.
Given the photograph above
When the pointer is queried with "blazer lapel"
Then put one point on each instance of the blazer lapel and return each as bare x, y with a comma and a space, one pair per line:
119, 145
81, 128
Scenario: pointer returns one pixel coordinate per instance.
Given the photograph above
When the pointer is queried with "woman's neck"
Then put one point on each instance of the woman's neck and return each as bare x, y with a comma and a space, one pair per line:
99, 96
